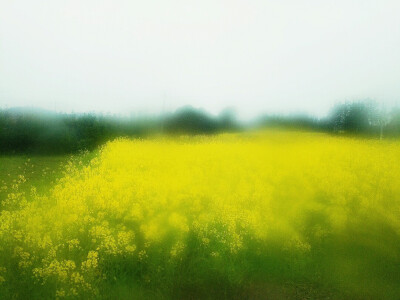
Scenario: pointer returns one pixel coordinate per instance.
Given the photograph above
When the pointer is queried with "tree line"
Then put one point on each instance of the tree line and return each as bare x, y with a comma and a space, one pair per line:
365, 118
45, 132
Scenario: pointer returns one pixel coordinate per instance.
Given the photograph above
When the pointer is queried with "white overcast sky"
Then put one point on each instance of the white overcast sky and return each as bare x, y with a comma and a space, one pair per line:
257, 56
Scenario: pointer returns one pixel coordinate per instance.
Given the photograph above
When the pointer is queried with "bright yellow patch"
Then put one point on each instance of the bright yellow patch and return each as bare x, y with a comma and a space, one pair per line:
225, 190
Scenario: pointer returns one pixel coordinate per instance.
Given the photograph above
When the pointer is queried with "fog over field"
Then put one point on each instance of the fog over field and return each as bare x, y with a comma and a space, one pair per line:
152, 56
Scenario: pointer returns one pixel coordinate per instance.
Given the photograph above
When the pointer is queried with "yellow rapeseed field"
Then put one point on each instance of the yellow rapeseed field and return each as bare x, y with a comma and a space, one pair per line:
285, 214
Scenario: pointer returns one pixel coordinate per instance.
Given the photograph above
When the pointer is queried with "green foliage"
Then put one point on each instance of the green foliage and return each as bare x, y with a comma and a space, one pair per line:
362, 118
189, 120
298, 121
355, 117
392, 127
35, 131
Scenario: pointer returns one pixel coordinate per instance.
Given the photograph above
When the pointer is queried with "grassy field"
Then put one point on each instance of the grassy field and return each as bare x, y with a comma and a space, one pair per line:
259, 215
39, 172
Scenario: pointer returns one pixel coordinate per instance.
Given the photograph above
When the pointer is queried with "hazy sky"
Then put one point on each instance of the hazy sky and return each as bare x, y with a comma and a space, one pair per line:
257, 56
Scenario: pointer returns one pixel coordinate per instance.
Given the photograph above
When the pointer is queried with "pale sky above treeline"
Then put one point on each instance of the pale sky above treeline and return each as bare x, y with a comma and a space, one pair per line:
151, 56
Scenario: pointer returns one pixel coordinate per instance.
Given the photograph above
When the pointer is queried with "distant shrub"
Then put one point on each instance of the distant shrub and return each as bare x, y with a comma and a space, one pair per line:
355, 118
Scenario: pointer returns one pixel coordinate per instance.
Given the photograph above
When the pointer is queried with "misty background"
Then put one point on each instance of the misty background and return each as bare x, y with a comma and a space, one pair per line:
149, 57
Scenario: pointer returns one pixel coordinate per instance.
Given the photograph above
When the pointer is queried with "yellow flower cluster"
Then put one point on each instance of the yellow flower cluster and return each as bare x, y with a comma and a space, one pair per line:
141, 197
